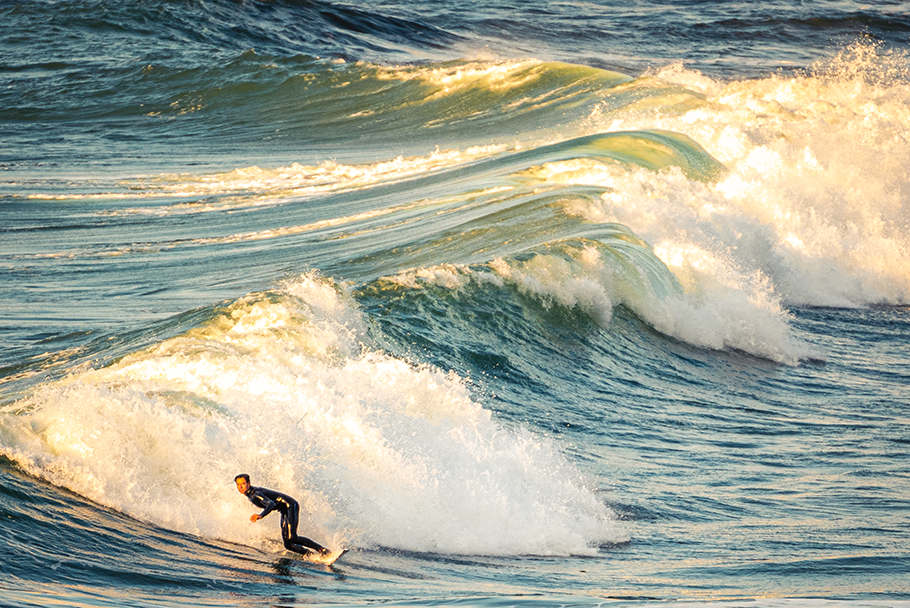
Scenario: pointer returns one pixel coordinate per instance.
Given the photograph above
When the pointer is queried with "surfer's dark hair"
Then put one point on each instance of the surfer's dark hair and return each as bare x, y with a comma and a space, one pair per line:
242, 476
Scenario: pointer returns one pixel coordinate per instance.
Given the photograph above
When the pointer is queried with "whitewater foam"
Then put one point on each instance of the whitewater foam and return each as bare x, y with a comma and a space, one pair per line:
729, 309
815, 192
280, 385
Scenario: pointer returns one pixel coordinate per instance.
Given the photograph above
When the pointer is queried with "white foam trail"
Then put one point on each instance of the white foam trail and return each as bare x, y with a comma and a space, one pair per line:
278, 385
253, 186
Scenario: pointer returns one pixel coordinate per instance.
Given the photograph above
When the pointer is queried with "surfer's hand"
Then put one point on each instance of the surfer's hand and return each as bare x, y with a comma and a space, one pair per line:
255, 517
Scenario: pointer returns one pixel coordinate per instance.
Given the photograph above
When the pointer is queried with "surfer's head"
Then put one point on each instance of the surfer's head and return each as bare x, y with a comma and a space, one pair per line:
243, 483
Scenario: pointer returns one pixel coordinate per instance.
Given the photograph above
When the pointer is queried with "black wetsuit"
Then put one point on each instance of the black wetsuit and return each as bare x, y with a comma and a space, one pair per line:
270, 500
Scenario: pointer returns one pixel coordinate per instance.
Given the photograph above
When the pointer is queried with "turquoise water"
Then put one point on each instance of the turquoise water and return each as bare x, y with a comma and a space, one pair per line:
549, 304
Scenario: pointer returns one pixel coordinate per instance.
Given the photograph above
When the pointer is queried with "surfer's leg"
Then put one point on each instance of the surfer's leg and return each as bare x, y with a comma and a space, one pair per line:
292, 542
305, 545
286, 535
293, 518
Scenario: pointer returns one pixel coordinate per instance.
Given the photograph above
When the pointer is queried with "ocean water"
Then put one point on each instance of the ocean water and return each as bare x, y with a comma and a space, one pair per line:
528, 304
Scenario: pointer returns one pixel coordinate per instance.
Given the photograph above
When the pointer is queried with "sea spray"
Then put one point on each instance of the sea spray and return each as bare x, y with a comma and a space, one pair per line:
281, 386
812, 207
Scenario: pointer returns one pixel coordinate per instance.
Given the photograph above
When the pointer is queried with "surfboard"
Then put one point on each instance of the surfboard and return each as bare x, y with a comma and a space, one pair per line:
326, 560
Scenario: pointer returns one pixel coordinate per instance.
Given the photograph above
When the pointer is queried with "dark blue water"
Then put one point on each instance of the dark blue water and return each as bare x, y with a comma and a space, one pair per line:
545, 304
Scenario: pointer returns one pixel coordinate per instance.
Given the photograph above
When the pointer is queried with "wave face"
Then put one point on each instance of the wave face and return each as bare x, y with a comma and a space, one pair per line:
610, 300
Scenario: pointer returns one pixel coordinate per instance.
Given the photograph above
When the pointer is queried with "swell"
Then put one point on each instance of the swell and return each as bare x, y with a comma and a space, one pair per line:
268, 105
194, 28
517, 214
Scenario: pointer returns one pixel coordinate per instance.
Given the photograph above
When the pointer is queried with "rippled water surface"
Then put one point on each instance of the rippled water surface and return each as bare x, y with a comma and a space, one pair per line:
527, 304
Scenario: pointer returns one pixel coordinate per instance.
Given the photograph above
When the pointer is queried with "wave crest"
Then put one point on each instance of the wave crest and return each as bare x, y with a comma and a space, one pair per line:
815, 189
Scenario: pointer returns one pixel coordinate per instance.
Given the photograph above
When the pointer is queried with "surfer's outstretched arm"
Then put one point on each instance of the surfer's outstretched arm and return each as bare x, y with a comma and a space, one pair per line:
261, 500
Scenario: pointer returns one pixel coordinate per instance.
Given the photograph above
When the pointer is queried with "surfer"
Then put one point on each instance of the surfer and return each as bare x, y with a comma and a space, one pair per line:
270, 500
